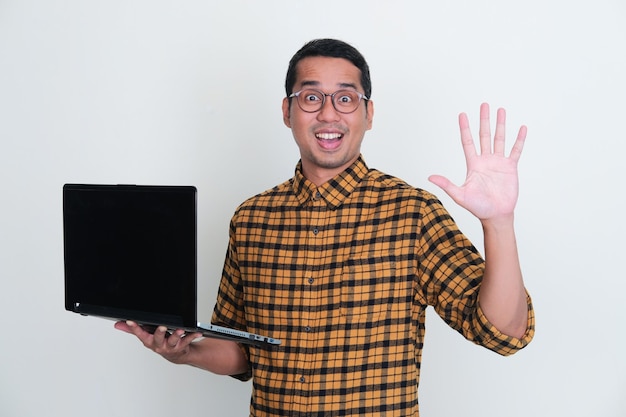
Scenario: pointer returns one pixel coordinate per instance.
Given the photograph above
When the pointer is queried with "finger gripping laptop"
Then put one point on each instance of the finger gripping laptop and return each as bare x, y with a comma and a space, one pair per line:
130, 253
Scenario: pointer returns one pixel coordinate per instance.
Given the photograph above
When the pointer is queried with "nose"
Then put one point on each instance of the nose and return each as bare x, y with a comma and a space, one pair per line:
327, 112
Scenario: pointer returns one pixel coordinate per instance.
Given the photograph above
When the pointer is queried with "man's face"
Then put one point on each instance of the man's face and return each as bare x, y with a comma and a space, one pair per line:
329, 141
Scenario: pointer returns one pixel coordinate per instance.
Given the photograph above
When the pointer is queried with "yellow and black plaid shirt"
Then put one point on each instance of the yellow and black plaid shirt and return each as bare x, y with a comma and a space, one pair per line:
342, 274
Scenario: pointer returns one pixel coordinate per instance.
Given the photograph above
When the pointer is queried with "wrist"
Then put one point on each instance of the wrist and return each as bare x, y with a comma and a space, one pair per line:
498, 223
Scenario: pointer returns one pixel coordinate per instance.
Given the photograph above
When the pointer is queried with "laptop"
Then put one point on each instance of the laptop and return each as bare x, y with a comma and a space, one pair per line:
130, 254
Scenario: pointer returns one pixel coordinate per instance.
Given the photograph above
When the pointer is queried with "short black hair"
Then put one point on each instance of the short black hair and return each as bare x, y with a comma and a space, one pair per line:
332, 48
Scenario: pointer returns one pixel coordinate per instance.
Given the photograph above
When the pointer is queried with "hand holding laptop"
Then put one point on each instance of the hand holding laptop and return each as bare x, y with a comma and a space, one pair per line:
220, 356
174, 346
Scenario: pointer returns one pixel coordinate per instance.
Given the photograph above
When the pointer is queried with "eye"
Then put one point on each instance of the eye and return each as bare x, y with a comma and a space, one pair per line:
311, 96
345, 97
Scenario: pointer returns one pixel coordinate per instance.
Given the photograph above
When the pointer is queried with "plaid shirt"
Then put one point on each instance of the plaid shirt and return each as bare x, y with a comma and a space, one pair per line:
342, 274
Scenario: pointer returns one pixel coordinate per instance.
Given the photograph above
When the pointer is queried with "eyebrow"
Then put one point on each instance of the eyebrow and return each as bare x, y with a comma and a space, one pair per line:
307, 83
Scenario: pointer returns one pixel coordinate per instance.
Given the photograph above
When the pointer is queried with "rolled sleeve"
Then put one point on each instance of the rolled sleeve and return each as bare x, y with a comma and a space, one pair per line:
487, 335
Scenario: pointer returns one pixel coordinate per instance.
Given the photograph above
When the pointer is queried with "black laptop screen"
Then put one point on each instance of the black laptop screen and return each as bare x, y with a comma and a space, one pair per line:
130, 252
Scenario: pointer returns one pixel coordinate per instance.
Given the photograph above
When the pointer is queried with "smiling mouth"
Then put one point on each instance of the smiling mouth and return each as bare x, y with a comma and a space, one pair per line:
328, 136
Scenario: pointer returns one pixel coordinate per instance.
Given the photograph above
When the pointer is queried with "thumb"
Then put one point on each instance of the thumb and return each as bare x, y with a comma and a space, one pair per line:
446, 185
439, 181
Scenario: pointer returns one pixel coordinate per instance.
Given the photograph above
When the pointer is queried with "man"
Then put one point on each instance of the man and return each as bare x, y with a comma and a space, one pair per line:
341, 261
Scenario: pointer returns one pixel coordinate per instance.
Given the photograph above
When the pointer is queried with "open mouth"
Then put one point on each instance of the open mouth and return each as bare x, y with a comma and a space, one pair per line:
329, 136
329, 141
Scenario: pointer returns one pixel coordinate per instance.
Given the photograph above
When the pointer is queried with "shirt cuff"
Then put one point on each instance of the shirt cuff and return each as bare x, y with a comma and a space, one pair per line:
491, 338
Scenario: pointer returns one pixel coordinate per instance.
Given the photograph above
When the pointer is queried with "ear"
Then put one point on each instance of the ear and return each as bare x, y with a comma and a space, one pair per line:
370, 114
286, 112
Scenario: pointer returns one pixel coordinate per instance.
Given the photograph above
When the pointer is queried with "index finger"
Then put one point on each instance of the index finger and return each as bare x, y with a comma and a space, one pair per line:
466, 137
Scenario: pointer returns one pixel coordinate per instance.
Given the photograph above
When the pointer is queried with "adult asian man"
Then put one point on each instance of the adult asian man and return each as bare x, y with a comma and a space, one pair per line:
341, 261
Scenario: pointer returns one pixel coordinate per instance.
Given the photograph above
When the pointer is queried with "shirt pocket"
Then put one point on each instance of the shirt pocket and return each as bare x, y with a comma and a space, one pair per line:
367, 289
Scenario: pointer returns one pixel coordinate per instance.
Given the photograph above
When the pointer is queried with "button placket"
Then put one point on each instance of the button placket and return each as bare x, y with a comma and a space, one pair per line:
310, 295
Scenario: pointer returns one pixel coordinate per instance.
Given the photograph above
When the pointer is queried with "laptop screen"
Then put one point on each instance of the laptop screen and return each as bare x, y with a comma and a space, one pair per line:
130, 252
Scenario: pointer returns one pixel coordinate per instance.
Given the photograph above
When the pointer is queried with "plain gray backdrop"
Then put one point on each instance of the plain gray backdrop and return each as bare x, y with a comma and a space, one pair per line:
189, 92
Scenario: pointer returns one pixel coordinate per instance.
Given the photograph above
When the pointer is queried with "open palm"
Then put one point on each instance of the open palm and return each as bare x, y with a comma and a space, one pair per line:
491, 186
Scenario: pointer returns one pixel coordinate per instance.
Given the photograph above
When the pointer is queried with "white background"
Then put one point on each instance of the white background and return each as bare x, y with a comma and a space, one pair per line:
189, 92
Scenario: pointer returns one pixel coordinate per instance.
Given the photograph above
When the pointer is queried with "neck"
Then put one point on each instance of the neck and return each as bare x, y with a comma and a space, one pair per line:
320, 175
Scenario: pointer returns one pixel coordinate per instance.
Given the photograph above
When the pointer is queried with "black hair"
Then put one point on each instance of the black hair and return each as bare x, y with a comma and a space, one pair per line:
332, 48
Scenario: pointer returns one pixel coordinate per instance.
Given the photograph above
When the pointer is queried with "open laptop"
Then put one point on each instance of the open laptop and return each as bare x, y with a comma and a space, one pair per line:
130, 254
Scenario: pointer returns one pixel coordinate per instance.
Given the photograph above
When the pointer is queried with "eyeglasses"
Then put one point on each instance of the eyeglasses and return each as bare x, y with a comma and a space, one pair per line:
344, 101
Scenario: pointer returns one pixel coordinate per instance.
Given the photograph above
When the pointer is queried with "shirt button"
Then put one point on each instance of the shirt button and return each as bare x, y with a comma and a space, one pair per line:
311, 280
316, 230
318, 195
302, 379
307, 329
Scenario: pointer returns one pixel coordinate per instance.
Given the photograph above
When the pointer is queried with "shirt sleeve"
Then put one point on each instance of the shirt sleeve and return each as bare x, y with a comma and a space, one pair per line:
487, 335
229, 310
450, 274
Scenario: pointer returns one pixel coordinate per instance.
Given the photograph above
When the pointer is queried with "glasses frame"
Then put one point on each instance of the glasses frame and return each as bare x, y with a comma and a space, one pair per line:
332, 99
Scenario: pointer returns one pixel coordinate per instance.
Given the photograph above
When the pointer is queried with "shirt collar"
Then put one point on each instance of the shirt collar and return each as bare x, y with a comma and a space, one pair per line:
336, 190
